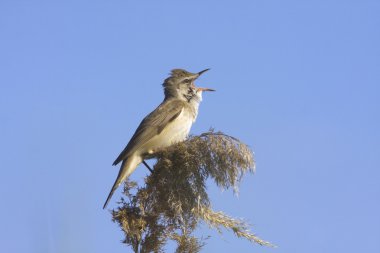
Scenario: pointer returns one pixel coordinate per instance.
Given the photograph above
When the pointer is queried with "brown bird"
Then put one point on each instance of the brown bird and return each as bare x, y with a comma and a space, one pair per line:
169, 123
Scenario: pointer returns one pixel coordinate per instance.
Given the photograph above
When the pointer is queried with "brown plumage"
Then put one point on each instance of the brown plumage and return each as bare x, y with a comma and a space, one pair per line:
169, 123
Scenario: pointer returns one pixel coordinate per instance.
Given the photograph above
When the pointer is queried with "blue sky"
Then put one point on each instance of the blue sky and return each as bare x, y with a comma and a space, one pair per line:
298, 81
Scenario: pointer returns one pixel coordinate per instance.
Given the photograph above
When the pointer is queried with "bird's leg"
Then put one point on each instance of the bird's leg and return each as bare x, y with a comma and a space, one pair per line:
147, 165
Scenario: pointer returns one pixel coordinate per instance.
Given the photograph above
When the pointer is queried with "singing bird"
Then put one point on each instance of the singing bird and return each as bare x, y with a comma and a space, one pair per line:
169, 123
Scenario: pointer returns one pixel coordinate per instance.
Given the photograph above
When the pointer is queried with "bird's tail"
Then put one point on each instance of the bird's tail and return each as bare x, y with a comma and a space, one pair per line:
126, 168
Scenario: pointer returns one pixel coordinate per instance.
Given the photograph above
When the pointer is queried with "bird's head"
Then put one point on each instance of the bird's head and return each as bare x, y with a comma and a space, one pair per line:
180, 84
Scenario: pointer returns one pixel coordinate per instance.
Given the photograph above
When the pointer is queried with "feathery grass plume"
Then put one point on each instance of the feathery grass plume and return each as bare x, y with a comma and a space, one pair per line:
173, 200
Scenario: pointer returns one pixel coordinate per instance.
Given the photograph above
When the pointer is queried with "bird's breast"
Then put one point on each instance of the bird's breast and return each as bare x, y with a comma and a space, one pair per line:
175, 131
178, 129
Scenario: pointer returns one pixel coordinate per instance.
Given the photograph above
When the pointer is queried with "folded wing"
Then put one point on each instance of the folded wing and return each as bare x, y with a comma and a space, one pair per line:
152, 125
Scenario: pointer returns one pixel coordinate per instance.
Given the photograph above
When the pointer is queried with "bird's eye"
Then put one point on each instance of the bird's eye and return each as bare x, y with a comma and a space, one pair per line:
186, 81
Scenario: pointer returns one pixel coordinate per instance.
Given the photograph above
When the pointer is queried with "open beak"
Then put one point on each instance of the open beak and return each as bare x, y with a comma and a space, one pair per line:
200, 88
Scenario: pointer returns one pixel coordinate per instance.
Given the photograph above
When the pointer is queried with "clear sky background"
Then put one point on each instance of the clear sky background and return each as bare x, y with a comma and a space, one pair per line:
298, 81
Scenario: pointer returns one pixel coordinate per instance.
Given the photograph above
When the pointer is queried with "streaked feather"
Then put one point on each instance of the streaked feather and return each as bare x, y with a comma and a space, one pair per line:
152, 125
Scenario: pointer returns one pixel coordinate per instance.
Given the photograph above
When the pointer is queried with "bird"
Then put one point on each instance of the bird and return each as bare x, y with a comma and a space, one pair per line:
169, 123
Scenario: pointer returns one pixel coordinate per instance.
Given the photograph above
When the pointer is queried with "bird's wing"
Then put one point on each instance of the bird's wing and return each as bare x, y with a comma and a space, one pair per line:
152, 125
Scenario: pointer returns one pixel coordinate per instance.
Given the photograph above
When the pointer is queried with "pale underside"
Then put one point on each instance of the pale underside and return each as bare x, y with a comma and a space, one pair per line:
175, 131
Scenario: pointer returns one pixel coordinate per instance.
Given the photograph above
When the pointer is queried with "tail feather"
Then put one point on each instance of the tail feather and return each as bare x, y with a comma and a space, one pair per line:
116, 184
114, 187
126, 168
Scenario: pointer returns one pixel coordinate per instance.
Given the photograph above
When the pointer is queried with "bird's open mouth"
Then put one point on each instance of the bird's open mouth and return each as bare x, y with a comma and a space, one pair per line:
200, 88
